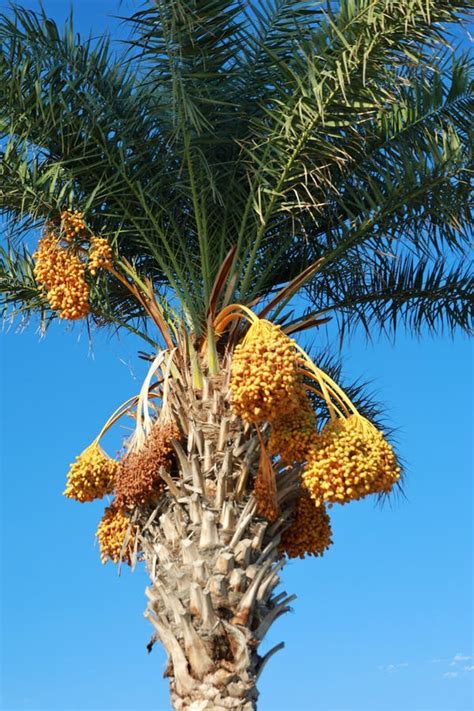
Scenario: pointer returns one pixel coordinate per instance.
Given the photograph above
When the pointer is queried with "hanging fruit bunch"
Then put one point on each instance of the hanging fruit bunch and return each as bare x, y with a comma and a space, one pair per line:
150, 449
293, 432
347, 460
350, 459
264, 374
63, 276
310, 530
73, 226
115, 536
138, 480
266, 383
91, 476
65, 258
348, 446
100, 255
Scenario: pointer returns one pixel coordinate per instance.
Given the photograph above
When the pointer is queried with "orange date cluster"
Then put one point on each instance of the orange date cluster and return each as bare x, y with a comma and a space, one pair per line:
264, 374
310, 531
65, 259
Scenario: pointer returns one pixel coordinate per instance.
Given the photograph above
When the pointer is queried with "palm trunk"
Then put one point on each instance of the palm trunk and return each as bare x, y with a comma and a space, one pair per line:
213, 562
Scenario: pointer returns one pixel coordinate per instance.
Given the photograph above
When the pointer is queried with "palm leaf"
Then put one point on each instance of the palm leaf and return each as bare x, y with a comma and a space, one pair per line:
386, 293
292, 131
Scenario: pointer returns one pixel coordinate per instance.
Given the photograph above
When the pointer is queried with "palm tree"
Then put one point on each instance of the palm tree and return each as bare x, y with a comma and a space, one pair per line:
234, 156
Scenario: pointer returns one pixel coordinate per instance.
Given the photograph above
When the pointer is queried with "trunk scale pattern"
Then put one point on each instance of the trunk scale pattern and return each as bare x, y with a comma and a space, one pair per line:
213, 563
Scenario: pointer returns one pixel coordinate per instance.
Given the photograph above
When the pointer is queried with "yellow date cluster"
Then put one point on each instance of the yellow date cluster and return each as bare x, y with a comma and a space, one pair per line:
346, 463
91, 476
111, 534
310, 531
62, 274
348, 460
264, 374
62, 262
100, 255
292, 433
73, 225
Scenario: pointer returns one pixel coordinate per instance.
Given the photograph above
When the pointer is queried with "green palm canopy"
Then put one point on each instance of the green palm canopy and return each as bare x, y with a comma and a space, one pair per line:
291, 131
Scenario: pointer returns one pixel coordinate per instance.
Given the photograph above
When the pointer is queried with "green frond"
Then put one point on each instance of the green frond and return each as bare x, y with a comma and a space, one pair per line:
291, 131
385, 293
19, 292
328, 99
411, 181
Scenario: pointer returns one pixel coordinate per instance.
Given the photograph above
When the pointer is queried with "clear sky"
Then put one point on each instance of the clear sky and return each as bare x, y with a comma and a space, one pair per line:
382, 623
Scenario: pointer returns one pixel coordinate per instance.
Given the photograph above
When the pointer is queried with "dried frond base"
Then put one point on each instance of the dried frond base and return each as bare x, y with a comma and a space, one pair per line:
265, 497
212, 563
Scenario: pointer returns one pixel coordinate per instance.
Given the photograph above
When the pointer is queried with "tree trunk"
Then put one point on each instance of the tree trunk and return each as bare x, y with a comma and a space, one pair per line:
213, 562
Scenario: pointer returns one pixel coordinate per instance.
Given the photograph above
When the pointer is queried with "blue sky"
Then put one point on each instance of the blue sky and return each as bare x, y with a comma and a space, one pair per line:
382, 623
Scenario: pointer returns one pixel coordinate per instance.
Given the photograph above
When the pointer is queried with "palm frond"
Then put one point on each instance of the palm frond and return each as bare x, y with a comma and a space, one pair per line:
19, 292
74, 112
412, 177
328, 97
387, 292
290, 131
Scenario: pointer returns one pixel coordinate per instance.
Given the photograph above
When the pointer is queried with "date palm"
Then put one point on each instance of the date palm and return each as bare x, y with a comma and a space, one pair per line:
235, 156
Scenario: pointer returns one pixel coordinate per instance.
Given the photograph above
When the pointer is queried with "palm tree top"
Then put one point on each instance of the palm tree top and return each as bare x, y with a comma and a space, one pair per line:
284, 133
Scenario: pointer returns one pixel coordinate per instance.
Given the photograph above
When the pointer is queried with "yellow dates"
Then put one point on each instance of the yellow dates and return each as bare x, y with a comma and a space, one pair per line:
292, 433
347, 462
264, 374
91, 476
62, 275
111, 534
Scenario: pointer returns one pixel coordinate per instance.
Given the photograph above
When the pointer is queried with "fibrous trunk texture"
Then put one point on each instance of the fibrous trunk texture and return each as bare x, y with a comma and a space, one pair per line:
213, 563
